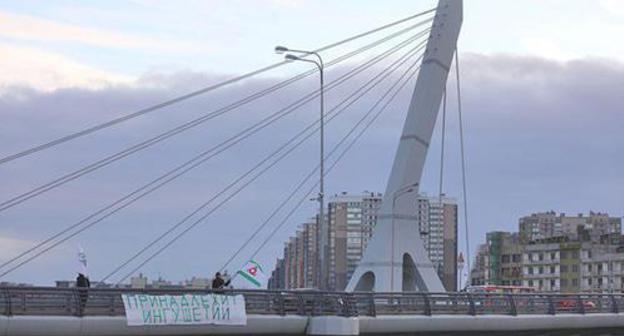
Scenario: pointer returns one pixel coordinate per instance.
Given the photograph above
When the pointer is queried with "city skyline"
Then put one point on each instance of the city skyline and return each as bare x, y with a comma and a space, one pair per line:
555, 145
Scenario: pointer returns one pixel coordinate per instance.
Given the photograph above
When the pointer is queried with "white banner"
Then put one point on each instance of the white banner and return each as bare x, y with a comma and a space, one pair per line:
145, 309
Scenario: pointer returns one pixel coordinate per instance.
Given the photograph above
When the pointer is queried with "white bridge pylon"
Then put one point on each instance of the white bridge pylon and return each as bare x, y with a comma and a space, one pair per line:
395, 259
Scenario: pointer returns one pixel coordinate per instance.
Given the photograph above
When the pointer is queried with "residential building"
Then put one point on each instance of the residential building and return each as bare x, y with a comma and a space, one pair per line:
351, 222
277, 281
499, 261
569, 266
541, 267
558, 254
545, 225
602, 269
437, 222
297, 268
480, 272
310, 253
139, 282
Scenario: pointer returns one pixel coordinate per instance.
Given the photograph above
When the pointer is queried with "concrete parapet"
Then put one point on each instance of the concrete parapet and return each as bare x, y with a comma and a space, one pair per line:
333, 325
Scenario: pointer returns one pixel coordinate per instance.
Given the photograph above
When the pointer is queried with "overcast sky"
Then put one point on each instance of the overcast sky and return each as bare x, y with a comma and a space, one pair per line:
542, 79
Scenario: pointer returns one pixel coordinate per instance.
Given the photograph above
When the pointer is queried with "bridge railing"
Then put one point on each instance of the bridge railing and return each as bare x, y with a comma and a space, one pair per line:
108, 302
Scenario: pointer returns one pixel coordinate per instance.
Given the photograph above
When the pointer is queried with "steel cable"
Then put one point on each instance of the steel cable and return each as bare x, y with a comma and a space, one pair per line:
176, 100
16, 200
173, 174
360, 93
333, 165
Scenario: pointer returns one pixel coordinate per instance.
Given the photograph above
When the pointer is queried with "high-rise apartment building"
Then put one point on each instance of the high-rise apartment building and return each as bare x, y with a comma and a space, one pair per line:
437, 222
350, 220
545, 225
297, 268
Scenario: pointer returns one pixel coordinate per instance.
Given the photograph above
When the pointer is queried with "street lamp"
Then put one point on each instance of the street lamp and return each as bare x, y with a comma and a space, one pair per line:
321, 196
400, 192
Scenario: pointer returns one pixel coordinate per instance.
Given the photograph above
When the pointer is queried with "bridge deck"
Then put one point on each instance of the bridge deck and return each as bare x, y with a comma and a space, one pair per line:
54, 311
107, 302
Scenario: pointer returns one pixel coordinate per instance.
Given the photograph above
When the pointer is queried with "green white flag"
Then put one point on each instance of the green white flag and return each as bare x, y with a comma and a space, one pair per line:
253, 274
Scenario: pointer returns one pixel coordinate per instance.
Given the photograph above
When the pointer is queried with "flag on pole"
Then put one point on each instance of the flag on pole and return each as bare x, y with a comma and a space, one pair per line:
252, 273
82, 262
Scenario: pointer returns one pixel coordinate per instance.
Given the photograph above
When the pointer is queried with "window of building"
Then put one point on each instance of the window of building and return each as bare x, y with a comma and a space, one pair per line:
541, 257
564, 268
589, 281
564, 255
531, 283
564, 282
575, 282
575, 268
530, 270
553, 284
541, 270
553, 255
505, 258
515, 258
589, 267
541, 283
589, 254
552, 269
575, 254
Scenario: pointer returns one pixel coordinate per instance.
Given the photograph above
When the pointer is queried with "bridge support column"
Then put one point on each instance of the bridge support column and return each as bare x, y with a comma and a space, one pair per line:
333, 325
395, 259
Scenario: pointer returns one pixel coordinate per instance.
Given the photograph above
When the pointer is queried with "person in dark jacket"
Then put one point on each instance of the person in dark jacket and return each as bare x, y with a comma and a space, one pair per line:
218, 282
82, 283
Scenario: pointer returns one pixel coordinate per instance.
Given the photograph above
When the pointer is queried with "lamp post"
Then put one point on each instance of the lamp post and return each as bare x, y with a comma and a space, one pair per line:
322, 272
400, 192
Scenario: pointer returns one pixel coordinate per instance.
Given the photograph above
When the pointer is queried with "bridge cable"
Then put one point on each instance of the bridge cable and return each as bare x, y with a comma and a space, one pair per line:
443, 135
306, 179
342, 154
309, 192
195, 161
463, 161
187, 96
360, 93
200, 158
16, 200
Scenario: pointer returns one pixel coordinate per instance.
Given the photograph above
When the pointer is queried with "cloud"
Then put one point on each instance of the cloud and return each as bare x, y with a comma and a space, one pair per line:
30, 28
613, 6
46, 71
540, 135
12, 246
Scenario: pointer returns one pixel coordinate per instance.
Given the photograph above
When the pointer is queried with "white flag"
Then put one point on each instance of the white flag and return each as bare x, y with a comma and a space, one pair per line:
253, 274
82, 262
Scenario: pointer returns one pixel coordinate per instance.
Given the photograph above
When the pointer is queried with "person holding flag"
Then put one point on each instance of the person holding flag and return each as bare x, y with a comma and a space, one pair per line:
82, 281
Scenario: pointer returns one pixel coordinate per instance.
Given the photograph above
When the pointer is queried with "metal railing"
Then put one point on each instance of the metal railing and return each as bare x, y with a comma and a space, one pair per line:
108, 302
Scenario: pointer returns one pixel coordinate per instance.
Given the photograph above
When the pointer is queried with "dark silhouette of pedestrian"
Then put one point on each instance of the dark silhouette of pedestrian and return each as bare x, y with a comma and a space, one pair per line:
82, 283
218, 282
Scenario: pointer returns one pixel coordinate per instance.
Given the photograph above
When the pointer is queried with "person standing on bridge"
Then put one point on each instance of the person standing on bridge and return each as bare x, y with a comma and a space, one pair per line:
218, 282
82, 283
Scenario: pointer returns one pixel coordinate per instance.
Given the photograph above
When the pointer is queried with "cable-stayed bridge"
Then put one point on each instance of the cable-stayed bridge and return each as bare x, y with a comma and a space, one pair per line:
395, 288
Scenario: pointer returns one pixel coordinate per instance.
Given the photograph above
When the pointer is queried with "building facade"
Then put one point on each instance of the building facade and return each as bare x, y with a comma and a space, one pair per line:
351, 219
351, 222
557, 254
437, 222
549, 224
